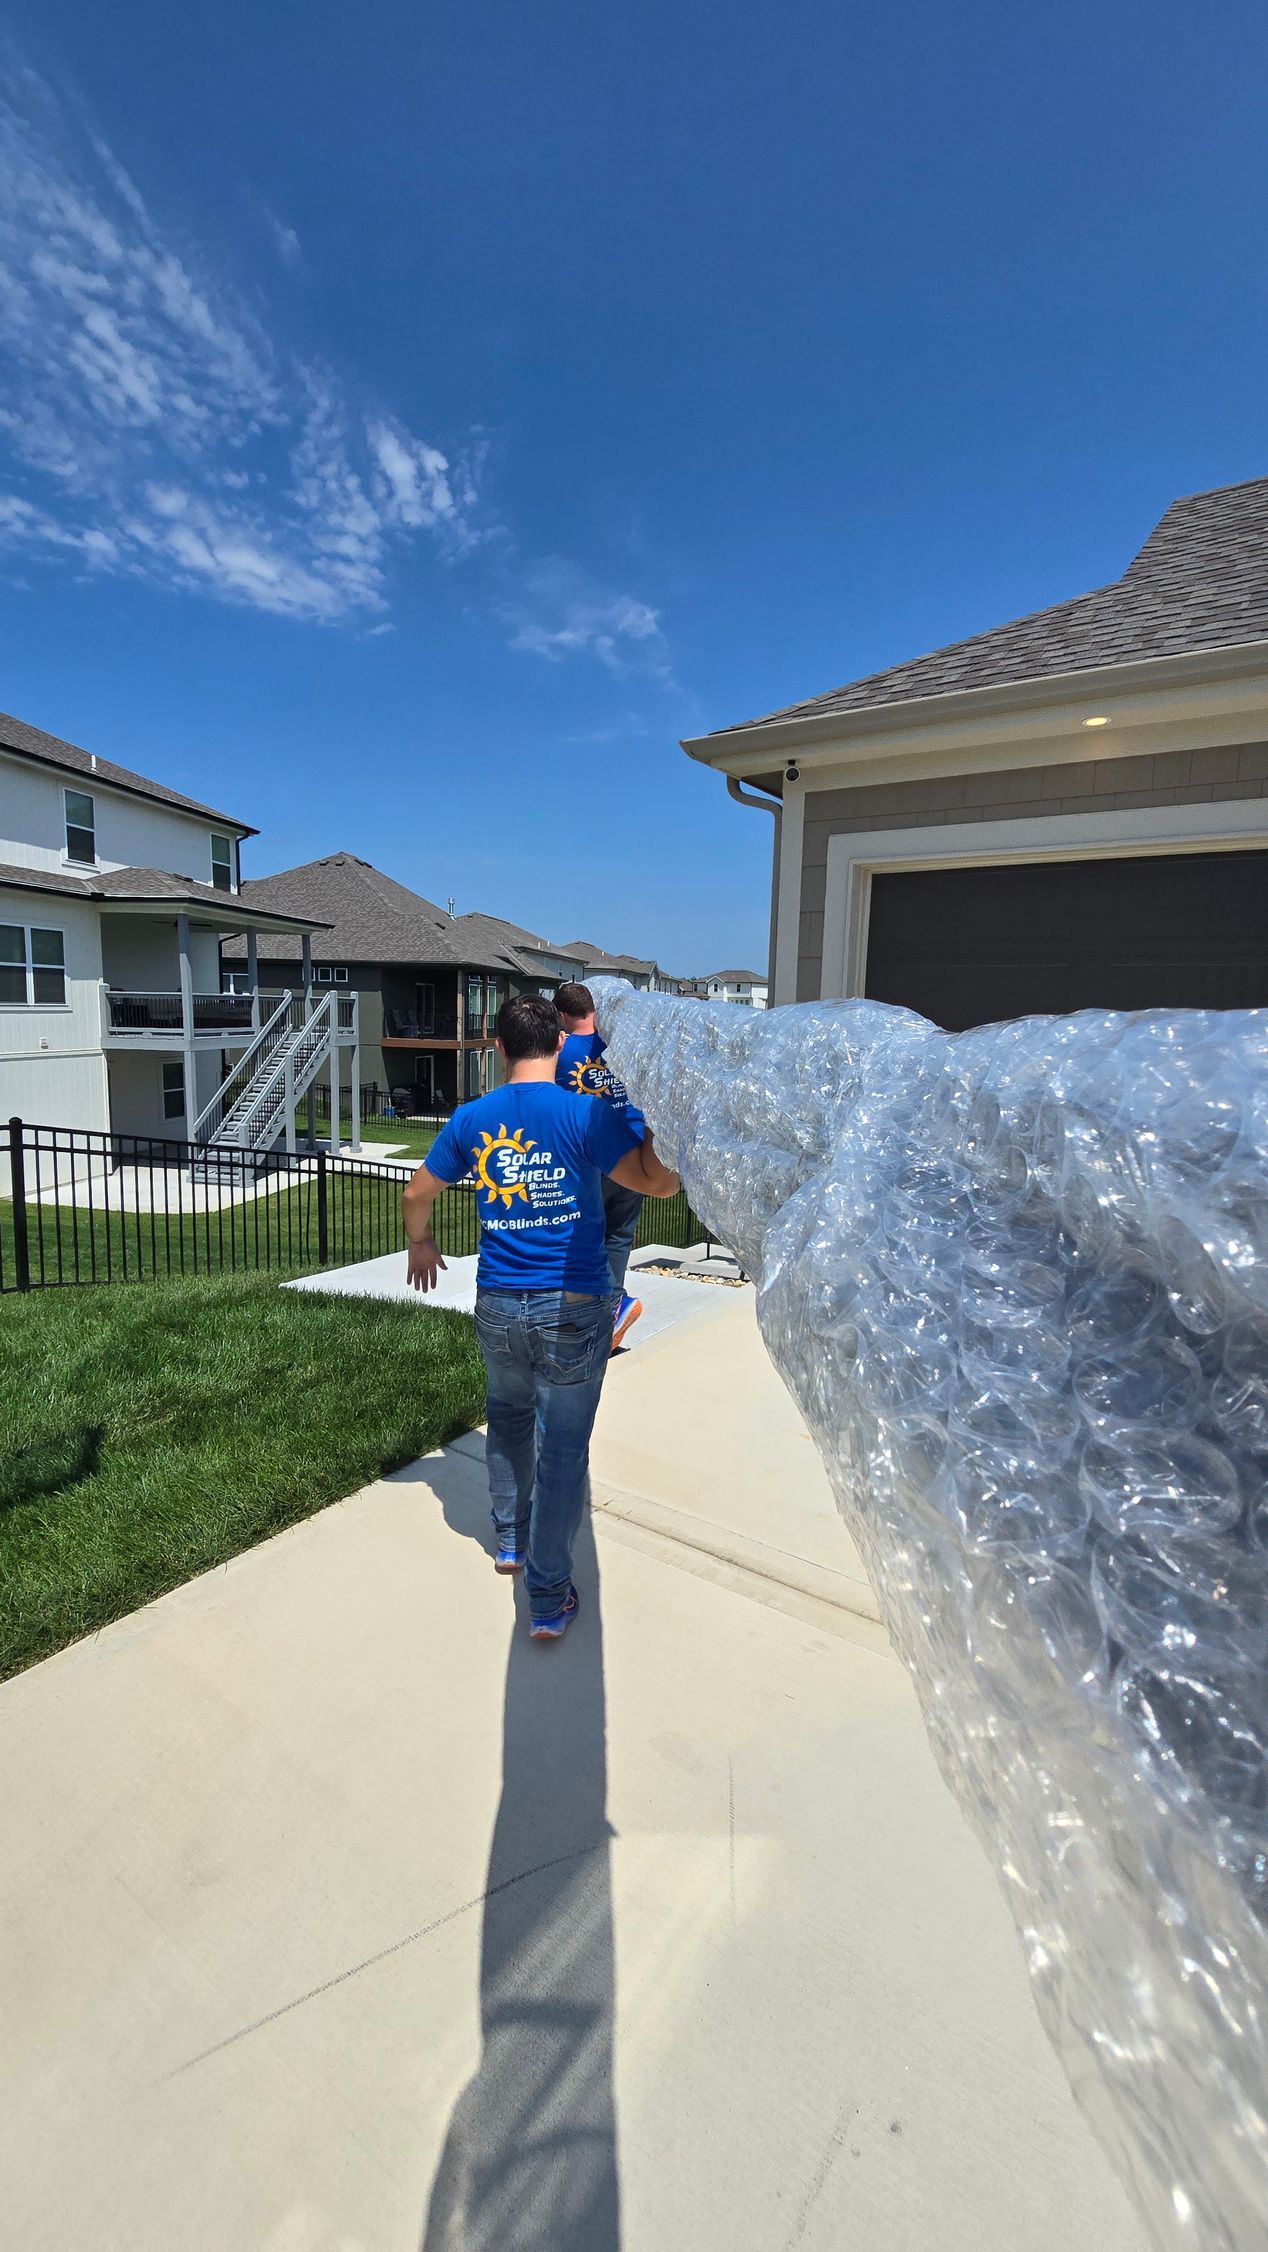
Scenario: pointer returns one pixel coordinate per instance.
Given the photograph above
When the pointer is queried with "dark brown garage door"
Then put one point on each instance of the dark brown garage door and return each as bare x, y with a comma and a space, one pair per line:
971, 945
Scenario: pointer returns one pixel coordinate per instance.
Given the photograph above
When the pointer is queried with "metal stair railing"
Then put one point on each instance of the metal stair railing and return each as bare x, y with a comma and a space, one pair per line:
265, 1108
207, 1125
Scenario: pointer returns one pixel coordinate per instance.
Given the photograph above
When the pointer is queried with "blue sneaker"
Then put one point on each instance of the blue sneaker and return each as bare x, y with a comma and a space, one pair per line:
627, 1314
553, 1630
509, 1559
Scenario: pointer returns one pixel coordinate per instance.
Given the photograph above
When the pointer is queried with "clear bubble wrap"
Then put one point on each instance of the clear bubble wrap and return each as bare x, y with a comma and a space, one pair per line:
1017, 1280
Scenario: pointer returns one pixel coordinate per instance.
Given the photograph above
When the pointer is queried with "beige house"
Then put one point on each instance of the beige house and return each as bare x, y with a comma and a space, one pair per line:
1067, 811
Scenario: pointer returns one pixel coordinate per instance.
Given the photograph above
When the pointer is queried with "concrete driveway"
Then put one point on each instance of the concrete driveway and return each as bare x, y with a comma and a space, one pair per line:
342, 1919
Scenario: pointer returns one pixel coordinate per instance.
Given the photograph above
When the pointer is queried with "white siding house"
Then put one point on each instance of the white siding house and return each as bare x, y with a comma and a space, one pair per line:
114, 895
746, 987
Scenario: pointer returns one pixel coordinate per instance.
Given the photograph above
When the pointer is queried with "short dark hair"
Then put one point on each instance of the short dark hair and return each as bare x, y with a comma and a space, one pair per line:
528, 1026
574, 1001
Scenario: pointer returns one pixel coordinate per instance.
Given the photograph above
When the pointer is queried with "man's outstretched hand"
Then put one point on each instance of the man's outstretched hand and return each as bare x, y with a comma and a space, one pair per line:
425, 1265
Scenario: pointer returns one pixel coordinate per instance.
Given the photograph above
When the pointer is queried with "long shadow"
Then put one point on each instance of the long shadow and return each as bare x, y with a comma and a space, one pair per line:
53, 1466
529, 2162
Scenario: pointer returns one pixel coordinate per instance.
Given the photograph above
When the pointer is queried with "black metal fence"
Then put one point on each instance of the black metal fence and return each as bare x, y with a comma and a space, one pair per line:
377, 1104
86, 1207
373, 1101
83, 1207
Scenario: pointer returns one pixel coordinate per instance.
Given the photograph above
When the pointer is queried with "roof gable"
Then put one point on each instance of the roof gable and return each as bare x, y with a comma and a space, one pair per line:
32, 743
372, 918
1199, 582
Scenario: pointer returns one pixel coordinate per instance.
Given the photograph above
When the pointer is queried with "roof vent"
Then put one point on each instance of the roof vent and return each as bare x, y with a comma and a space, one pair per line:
450, 905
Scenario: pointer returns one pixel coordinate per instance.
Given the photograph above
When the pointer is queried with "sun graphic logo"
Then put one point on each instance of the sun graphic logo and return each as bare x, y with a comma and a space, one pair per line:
499, 1162
585, 1078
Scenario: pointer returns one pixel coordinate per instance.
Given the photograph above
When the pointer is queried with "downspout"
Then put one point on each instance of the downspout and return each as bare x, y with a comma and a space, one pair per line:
742, 796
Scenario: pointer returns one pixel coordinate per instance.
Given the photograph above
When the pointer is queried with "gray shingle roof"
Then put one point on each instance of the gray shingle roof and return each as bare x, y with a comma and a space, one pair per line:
151, 883
41, 879
614, 965
372, 918
1199, 582
514, 934
49, 750
147, 886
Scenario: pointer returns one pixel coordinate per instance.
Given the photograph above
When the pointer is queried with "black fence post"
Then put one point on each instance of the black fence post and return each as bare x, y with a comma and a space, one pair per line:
323, 1211
21, 1239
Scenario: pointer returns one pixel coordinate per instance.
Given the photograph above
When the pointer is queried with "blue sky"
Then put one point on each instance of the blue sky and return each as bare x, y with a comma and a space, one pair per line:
416, 418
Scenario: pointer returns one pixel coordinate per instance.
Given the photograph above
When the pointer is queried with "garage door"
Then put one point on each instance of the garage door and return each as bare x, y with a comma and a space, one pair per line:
971, 945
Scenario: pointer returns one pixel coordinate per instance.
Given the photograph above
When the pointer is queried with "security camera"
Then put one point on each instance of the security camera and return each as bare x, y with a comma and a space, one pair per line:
792, 772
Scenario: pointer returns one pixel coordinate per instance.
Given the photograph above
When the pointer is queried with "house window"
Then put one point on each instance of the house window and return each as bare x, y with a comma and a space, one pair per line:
326, 974
341, 976
32, 967
48, 969
81, 829
174, 1089
222, 863
13, 985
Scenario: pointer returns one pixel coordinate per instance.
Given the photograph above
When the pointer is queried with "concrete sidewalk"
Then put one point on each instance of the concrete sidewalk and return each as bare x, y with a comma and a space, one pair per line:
343, 1919
666, 1300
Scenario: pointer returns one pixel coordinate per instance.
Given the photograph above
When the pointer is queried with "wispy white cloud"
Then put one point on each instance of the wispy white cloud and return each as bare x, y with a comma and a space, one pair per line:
151, 425
626, 727
559, 611
412, 483
285, 240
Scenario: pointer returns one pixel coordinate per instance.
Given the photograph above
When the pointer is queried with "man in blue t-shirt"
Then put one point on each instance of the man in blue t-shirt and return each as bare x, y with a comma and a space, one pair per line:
581, 1069
537, 1157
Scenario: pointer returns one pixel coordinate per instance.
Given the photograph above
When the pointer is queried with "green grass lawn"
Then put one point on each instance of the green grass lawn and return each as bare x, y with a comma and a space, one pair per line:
277, 1233
411, 1137
415, 1139
148, 1434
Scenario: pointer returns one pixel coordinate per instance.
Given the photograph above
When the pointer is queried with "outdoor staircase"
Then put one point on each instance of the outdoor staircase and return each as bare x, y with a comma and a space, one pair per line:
255, 1106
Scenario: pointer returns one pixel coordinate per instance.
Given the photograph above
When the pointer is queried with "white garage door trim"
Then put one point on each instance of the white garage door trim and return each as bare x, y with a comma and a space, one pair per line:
853, 859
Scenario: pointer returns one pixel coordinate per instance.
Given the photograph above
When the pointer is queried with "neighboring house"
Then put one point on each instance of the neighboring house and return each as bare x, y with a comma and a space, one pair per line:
114, 895
430, 984
1065, 812
648, 977
543, 963
747, 987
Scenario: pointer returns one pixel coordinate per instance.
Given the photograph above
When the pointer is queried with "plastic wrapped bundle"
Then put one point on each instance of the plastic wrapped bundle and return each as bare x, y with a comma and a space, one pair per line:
1017, 1280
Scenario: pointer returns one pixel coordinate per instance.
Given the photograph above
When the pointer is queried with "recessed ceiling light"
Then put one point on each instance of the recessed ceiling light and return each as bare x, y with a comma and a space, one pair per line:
1101, 720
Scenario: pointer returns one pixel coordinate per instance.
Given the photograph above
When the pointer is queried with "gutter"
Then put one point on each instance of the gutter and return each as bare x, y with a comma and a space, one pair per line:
773, 806
761, 742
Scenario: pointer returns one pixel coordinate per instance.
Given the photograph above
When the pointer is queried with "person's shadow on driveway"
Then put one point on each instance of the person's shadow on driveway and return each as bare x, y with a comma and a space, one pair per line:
529, 2161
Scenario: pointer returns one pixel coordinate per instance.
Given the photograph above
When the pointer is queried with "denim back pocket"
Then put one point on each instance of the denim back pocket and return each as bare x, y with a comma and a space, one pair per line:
568, 1349
492, 1333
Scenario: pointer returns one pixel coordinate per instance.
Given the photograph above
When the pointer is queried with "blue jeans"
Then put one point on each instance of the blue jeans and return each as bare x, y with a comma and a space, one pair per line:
545, 1355
621, 1208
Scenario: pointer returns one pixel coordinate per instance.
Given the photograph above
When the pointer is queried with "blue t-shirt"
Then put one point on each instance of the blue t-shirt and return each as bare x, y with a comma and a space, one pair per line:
538, 1156
582, 1070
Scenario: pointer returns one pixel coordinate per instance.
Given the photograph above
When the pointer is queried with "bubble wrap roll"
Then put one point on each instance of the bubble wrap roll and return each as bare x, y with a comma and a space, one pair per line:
1017, 1280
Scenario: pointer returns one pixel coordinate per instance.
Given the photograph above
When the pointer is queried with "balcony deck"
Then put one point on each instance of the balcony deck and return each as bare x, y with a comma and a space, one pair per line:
220, 1020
